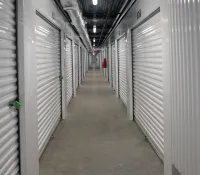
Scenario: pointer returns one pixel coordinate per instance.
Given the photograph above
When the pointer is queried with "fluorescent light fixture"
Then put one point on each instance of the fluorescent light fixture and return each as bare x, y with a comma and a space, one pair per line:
95, 2
94, 29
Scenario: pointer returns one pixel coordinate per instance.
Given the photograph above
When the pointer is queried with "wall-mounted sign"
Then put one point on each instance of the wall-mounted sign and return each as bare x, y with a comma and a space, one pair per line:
139, 14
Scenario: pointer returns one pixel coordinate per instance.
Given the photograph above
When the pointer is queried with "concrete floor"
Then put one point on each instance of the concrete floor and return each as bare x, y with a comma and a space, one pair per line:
97, 138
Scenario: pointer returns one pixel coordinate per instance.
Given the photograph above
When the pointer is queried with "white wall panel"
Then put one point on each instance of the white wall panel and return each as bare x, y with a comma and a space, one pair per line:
185, 84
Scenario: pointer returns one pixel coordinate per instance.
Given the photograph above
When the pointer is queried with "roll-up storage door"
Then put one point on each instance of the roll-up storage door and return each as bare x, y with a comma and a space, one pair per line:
77, 65
84, 67
48, 79
83, 60
80, 65
122, 69
9, 124
69, 70
113, 65
90, 61
105, 70
108, 64
86, 62
85, 56
148, 81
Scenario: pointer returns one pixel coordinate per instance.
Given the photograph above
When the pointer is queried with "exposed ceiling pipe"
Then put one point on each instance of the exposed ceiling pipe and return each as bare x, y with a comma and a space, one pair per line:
72, 8
123, 11
106, 20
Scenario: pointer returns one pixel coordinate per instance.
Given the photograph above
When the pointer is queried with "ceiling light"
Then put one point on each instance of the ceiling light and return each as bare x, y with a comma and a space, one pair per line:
94, 40
95, 2
94, 29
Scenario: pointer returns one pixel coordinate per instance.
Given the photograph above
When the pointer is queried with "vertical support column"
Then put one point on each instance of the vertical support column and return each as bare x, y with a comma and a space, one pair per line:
129, 76
117, 69
166, 89
74, 68
63, 69
28, 121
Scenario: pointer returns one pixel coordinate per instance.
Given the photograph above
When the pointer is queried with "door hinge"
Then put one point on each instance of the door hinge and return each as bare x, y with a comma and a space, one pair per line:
15, 104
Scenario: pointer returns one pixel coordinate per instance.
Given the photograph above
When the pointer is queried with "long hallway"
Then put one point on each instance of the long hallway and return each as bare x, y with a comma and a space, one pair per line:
97, 138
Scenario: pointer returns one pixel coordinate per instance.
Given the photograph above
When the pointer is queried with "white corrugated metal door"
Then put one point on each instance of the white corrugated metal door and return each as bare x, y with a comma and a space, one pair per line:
107, 61
105, 70
9, 145
122, 69
77, 65
148, 81
48, 79
113, 65
83, 60
90, 61
80, 65
84, 63
69, 70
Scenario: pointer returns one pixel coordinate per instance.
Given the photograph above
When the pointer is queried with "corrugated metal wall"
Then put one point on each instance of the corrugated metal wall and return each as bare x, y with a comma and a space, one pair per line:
185, 82
9, 125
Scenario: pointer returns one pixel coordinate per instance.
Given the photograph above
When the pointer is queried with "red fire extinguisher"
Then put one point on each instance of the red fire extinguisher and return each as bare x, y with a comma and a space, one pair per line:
104, 63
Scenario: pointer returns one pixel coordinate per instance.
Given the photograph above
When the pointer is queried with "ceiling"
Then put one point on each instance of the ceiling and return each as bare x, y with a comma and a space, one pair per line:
102, 15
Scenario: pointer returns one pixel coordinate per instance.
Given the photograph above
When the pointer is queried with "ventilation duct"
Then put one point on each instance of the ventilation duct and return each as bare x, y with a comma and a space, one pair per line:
72, 8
